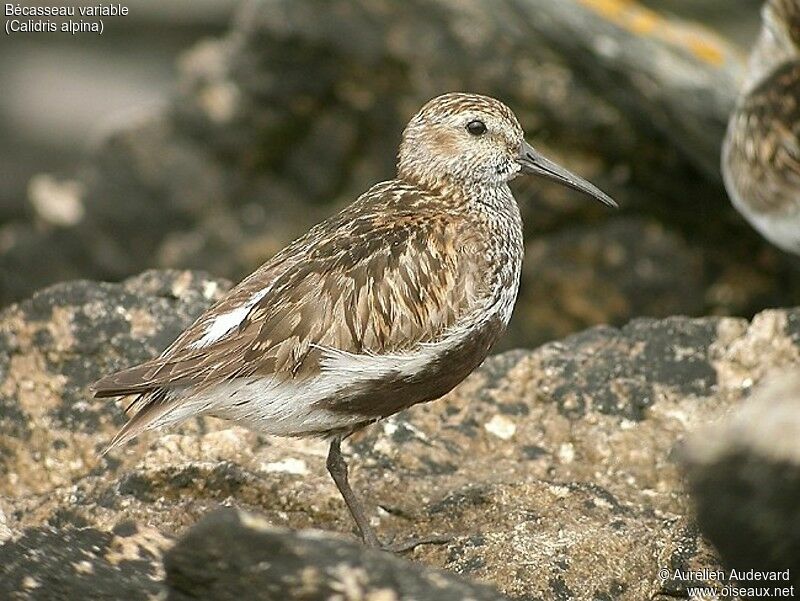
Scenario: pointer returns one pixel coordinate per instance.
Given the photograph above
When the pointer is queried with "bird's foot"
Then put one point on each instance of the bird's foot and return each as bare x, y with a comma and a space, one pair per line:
414, 542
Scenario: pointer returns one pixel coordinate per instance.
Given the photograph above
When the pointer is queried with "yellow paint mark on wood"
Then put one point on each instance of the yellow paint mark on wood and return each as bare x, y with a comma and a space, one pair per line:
706, 52
640, 21
644, 22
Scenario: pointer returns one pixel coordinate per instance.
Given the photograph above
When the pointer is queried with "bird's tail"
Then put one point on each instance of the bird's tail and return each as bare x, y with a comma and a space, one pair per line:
146, 411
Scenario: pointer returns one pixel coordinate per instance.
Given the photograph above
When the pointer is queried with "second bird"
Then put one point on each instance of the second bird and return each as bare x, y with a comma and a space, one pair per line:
761, 152
391, 302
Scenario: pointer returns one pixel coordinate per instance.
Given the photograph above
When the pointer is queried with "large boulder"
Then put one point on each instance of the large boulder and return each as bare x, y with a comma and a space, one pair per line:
604, 273
235, 555
552, 469
65, 561
745, 477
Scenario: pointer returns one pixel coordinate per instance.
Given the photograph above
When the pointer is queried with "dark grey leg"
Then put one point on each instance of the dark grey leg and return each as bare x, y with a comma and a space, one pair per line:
337, 467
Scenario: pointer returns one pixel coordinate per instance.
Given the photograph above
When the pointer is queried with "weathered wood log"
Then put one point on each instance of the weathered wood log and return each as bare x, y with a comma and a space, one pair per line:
677, 77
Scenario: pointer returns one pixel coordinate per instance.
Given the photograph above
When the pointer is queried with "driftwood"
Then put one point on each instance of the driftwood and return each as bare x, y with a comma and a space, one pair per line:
677, 77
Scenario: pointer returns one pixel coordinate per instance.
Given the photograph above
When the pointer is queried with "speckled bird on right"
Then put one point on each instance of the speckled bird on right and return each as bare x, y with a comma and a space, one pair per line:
761, 152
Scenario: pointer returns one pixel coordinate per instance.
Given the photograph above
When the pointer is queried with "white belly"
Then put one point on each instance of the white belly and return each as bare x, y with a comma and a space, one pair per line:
782, 229
288, 407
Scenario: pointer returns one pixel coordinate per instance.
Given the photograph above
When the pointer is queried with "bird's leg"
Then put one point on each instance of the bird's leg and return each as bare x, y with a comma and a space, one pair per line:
337, 468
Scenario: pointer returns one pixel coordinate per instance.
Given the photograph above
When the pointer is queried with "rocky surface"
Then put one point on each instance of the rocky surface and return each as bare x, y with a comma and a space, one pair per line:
553, 469
234, 556
300, 108
745, 475
66, 561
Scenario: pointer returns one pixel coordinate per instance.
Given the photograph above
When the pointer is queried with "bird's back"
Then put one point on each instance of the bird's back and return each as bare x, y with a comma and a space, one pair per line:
349, 323
761, 151
761, 157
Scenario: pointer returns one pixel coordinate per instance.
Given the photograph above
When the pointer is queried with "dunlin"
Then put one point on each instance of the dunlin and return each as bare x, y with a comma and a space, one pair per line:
761, 152
390, 302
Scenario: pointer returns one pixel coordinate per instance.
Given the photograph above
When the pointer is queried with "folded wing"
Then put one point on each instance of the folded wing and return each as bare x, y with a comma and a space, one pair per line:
376, 279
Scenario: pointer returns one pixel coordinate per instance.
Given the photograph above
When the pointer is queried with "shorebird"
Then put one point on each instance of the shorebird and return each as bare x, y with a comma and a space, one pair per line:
388, 303
761, 151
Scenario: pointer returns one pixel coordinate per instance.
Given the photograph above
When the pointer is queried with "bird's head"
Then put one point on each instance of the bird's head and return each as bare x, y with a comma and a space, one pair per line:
781, 19
475, 141
777, 43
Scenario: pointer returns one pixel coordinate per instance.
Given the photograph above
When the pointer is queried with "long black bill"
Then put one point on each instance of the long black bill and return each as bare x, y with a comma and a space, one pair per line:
535, 164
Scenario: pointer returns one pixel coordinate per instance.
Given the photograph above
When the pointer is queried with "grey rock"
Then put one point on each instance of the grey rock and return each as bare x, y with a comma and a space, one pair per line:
55, 344
584, 275
735, 19
551, 468
50, 563
669, 86
233, 555
745, 479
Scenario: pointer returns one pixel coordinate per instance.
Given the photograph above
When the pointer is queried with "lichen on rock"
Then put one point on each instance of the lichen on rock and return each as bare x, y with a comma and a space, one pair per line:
553, 469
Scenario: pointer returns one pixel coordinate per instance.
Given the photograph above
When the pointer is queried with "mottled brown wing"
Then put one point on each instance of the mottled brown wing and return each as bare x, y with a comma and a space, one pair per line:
384, 285
787, 12
763, 149
176, 363
385, 274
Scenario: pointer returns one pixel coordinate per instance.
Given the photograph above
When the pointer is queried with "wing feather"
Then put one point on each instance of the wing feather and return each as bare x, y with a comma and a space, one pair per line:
386, 274
762, 151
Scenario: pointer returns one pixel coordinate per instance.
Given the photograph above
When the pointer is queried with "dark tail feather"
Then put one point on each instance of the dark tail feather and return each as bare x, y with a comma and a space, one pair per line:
146, 410
129, 431
129, 381
120, 438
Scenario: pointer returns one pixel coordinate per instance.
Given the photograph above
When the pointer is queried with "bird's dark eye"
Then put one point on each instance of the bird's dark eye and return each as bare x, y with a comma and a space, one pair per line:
476, 127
